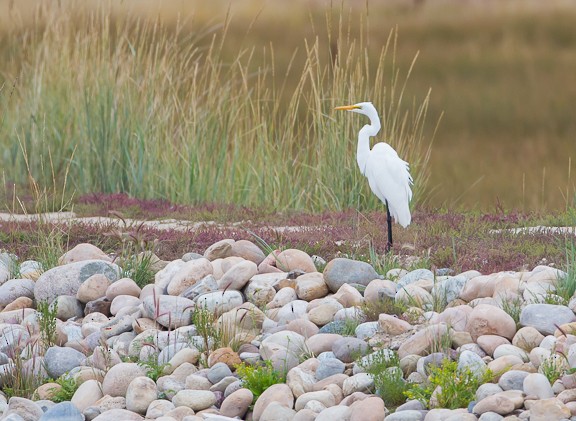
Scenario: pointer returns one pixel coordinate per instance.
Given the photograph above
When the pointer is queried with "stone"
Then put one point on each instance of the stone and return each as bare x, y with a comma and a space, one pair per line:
326, 398
548, 409
83, 251
203, 286
303, 327
60, 360
473, 362
279, 394
378, 290
237, 276
16, 288
545, 317
487, 389
188, 274
217, 372
66, 280
361, 382
392, 325
341, 271
512, 380
422, 341
413, 295
219, 249
25, 408
169, 311
237, 403
349, 296
415, 276
159, 407
300, 380
67, 307
455, 317
19, 303
93, 288
118, 378
101, 305
124, 286
224, 355
490, 320
283, 349
196, 400
527, 338
494, 403
328, 367
248, 250
311, 286
63, 411
480, 286
87, 394
489, 343
348, 349
118, 414
406, 415
275, 411
323, 313
369, 409
220, 302
259, 294
293, 259
537, 384
140, 394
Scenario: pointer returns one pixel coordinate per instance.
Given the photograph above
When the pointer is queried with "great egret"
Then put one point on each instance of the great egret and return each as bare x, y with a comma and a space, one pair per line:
388, 175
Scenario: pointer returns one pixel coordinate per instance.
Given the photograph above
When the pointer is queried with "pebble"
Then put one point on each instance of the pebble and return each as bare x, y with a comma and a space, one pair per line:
311, 325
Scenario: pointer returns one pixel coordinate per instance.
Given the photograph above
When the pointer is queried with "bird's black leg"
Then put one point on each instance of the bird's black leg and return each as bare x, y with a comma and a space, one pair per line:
389, 220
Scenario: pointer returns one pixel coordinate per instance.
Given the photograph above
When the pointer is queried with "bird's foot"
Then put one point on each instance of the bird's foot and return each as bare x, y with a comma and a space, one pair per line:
388, 247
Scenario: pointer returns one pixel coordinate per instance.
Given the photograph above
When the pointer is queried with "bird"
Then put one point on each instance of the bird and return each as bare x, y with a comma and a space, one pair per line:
388, 175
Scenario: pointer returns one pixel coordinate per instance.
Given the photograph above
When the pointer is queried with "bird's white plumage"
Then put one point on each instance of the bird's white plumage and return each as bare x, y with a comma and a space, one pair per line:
388, 175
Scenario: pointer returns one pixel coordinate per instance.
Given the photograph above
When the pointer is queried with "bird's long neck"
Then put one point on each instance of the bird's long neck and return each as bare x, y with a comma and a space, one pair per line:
363, 149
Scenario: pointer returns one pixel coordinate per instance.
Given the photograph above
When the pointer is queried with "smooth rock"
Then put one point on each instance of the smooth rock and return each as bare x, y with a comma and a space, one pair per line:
545, 317
490, 320
341, 271
280, 394
140, 394
196, 400
536, 384
60, 360
118, 378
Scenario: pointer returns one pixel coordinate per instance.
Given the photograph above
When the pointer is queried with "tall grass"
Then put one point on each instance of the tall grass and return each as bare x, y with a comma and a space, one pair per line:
160, 112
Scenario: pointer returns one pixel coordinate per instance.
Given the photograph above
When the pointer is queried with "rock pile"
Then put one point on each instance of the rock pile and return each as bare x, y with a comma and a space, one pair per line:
169, 350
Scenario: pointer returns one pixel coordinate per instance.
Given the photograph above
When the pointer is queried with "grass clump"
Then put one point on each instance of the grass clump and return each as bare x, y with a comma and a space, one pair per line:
384, 368
258, 378
448, 386
566, 284
154, 370
47, 322
68, 386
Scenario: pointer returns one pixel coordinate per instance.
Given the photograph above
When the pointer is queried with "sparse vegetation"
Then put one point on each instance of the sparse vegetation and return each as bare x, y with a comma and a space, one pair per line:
47, 322
384, 367
68, 387
258, 378
449, 386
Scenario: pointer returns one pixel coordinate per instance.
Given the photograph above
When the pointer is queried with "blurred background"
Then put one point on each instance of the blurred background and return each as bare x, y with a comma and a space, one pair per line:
485, 90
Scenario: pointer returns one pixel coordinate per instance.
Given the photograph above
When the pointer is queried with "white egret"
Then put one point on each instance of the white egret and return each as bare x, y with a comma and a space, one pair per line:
388, 175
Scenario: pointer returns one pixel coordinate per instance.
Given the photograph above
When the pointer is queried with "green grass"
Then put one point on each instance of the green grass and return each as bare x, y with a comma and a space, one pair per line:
258, 378
384, 368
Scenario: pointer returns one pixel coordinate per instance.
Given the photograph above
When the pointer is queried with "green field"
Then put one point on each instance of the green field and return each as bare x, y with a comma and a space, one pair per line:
231, 102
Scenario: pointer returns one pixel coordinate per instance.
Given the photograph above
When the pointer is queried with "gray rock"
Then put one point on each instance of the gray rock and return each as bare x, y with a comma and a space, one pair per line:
63, 411
473, 362
59, 360
366, 330
10, 336
448, 289
490, 416
217, 372
191, 256
116, 326
406, 415
342, 271
415, 276
329, 367
337, 326
66, 279
169, 311
487, 389
219, 302
203, 286
512, 380
15, 288
26, 408
68, 307
349, 349
545, 317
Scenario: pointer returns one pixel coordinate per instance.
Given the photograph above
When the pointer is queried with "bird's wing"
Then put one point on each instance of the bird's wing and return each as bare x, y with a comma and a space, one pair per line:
389, 178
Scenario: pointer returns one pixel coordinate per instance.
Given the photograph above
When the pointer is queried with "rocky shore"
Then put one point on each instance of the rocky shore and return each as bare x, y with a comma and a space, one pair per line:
171, 350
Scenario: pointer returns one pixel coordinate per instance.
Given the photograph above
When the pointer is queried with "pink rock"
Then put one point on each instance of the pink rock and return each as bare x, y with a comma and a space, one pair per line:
490, 320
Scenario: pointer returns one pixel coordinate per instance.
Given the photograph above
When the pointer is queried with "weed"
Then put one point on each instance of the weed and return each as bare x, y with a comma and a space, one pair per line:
449, 386
258, 378
384, 368
46, 314
513, 306
566, 285
154, 370
553, 367
385, 305
68, 387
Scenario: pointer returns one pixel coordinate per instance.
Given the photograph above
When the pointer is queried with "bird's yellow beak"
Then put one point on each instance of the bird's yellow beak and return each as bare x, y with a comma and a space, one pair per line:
347, 107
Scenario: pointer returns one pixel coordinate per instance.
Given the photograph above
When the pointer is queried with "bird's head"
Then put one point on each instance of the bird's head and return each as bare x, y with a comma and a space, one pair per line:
365, 108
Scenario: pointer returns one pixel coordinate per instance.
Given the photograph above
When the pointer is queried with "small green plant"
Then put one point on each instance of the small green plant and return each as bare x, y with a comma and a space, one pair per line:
513, 306
449, 386
384, 368
258, 378
566, 285
553, 367
349, 327
154, 370
68, 387
47, 322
